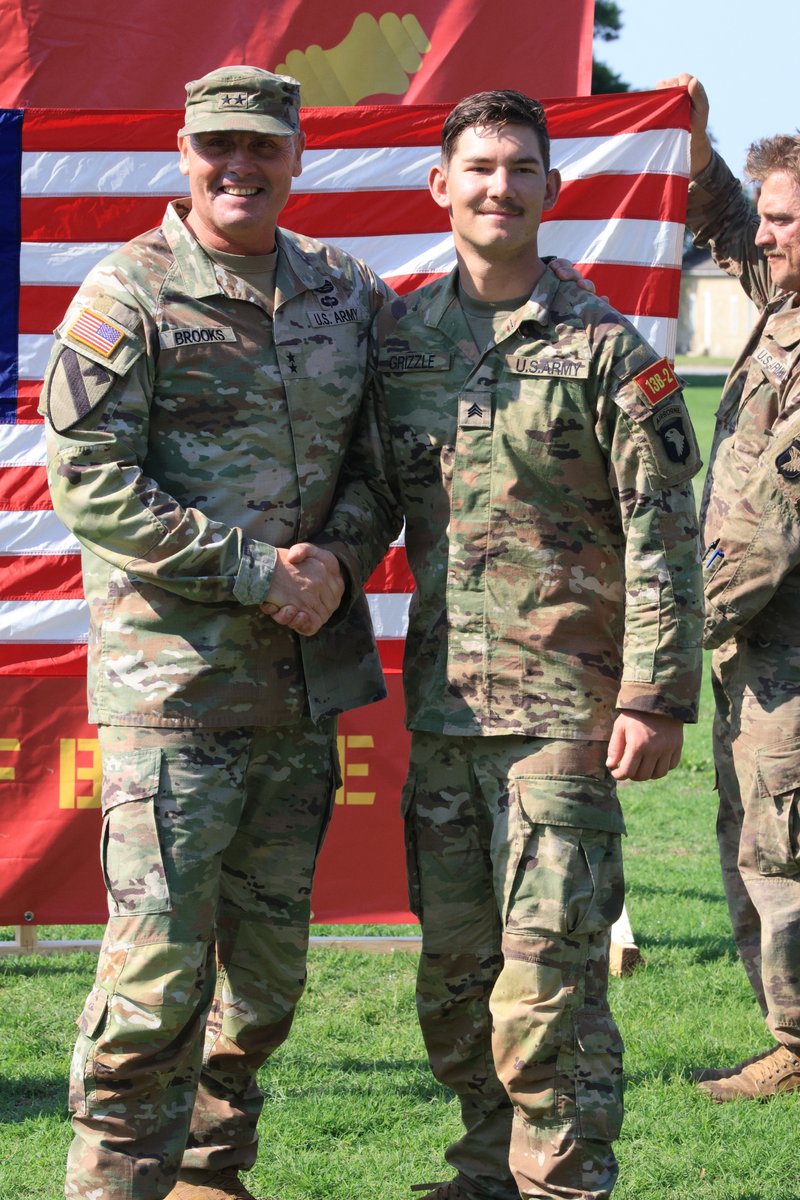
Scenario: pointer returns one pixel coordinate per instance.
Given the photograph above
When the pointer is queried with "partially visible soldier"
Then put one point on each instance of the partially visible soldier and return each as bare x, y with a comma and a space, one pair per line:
200, 406
543, 458
751, 527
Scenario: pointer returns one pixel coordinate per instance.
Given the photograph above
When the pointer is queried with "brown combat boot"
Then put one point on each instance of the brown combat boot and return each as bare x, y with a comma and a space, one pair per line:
707, 1074
210, 1185
769, 1075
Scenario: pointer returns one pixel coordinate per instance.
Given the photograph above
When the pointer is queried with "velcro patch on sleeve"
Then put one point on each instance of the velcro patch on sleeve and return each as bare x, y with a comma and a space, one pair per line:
73, 387
657, 382
97, 331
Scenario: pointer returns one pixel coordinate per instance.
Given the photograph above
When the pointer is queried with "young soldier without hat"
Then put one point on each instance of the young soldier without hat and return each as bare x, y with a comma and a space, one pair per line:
543, 457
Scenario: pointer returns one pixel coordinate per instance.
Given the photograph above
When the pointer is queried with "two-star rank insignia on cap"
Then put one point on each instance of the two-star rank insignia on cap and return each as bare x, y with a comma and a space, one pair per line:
96, 331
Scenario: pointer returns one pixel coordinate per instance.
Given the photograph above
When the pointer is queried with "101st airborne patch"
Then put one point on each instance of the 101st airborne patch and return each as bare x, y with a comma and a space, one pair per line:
788, 463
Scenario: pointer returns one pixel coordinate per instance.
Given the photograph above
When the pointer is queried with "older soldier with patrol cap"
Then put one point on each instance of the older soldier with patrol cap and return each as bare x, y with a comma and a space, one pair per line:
751, 526
543, 456
200, 404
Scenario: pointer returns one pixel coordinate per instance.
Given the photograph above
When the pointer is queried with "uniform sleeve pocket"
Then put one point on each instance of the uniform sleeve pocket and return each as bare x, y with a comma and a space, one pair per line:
778, 823
132, 859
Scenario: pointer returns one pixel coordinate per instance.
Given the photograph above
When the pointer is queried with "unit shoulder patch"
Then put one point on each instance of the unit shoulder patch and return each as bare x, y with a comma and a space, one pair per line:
657, 382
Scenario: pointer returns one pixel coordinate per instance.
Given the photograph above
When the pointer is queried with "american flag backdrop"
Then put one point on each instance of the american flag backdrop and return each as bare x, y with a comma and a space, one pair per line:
75, 183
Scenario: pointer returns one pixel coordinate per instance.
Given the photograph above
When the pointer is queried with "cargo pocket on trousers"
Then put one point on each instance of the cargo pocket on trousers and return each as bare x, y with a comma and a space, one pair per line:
90, 1023
565, 873
407, 811
778, 820
132, 860
598, 1074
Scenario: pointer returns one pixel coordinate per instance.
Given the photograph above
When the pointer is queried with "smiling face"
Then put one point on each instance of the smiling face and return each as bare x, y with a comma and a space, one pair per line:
239, 182
778, 232
496, 188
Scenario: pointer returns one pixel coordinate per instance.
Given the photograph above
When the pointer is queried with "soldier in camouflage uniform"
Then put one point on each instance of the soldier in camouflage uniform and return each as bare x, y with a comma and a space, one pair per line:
543, 457
203, 395
751, 527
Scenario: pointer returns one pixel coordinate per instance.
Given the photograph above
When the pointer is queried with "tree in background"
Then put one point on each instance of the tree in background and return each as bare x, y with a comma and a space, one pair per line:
607, 26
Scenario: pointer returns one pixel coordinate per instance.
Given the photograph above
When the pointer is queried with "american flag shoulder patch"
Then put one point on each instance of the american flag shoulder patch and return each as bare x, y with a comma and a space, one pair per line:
96, 331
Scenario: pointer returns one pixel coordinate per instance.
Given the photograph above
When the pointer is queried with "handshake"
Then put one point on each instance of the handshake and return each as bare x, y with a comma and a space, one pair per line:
306, 589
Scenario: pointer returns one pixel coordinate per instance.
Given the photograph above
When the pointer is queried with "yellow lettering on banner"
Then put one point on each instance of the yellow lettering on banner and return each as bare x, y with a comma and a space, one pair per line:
71, 773
8, 746
354, 770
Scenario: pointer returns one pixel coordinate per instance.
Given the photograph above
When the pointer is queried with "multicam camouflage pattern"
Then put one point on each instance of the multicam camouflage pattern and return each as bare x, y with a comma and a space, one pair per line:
750, 514
550, 522
515, 871
209, 843
750, 502
190, 437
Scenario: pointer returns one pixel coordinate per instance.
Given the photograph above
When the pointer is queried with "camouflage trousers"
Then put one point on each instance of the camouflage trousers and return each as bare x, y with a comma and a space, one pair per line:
209, 842
515, 873
757, 759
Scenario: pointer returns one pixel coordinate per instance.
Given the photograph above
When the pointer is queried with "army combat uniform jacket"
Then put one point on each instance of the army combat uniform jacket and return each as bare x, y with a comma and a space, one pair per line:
550, 522
191, 431
751, 505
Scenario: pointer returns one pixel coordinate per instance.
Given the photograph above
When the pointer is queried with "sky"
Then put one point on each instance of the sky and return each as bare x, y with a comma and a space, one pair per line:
744, 54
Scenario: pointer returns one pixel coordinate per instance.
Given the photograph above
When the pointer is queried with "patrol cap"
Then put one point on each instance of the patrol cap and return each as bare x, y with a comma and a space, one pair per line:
242, 98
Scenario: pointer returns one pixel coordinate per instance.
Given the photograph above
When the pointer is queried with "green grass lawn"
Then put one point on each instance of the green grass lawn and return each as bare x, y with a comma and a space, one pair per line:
351, 1109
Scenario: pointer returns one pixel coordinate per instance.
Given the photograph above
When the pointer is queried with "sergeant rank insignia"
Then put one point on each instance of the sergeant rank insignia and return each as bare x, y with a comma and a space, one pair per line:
788, 463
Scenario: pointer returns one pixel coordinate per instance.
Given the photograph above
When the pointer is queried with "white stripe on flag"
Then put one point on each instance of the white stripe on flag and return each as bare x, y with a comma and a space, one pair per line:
628, 241
68, 620
35, 532
44, 621
619, 240
22, 446
156, 173
657, 151
389, 612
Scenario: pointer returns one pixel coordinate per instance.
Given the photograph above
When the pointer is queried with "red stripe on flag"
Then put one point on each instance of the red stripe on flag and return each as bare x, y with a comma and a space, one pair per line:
377, 213
28, 391
23, 488
40, 577
637, 197
42, 306
42, 659
89, 218
638, 291
374, 126
393, 574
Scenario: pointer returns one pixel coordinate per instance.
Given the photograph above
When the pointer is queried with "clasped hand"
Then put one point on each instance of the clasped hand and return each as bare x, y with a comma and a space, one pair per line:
306, 589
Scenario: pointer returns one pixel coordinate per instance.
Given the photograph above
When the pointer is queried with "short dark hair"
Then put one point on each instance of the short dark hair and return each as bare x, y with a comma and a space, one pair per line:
489, 109
780, 153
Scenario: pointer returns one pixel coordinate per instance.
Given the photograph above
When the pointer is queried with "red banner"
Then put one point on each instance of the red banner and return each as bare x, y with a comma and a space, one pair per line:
50, 811
81, 55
